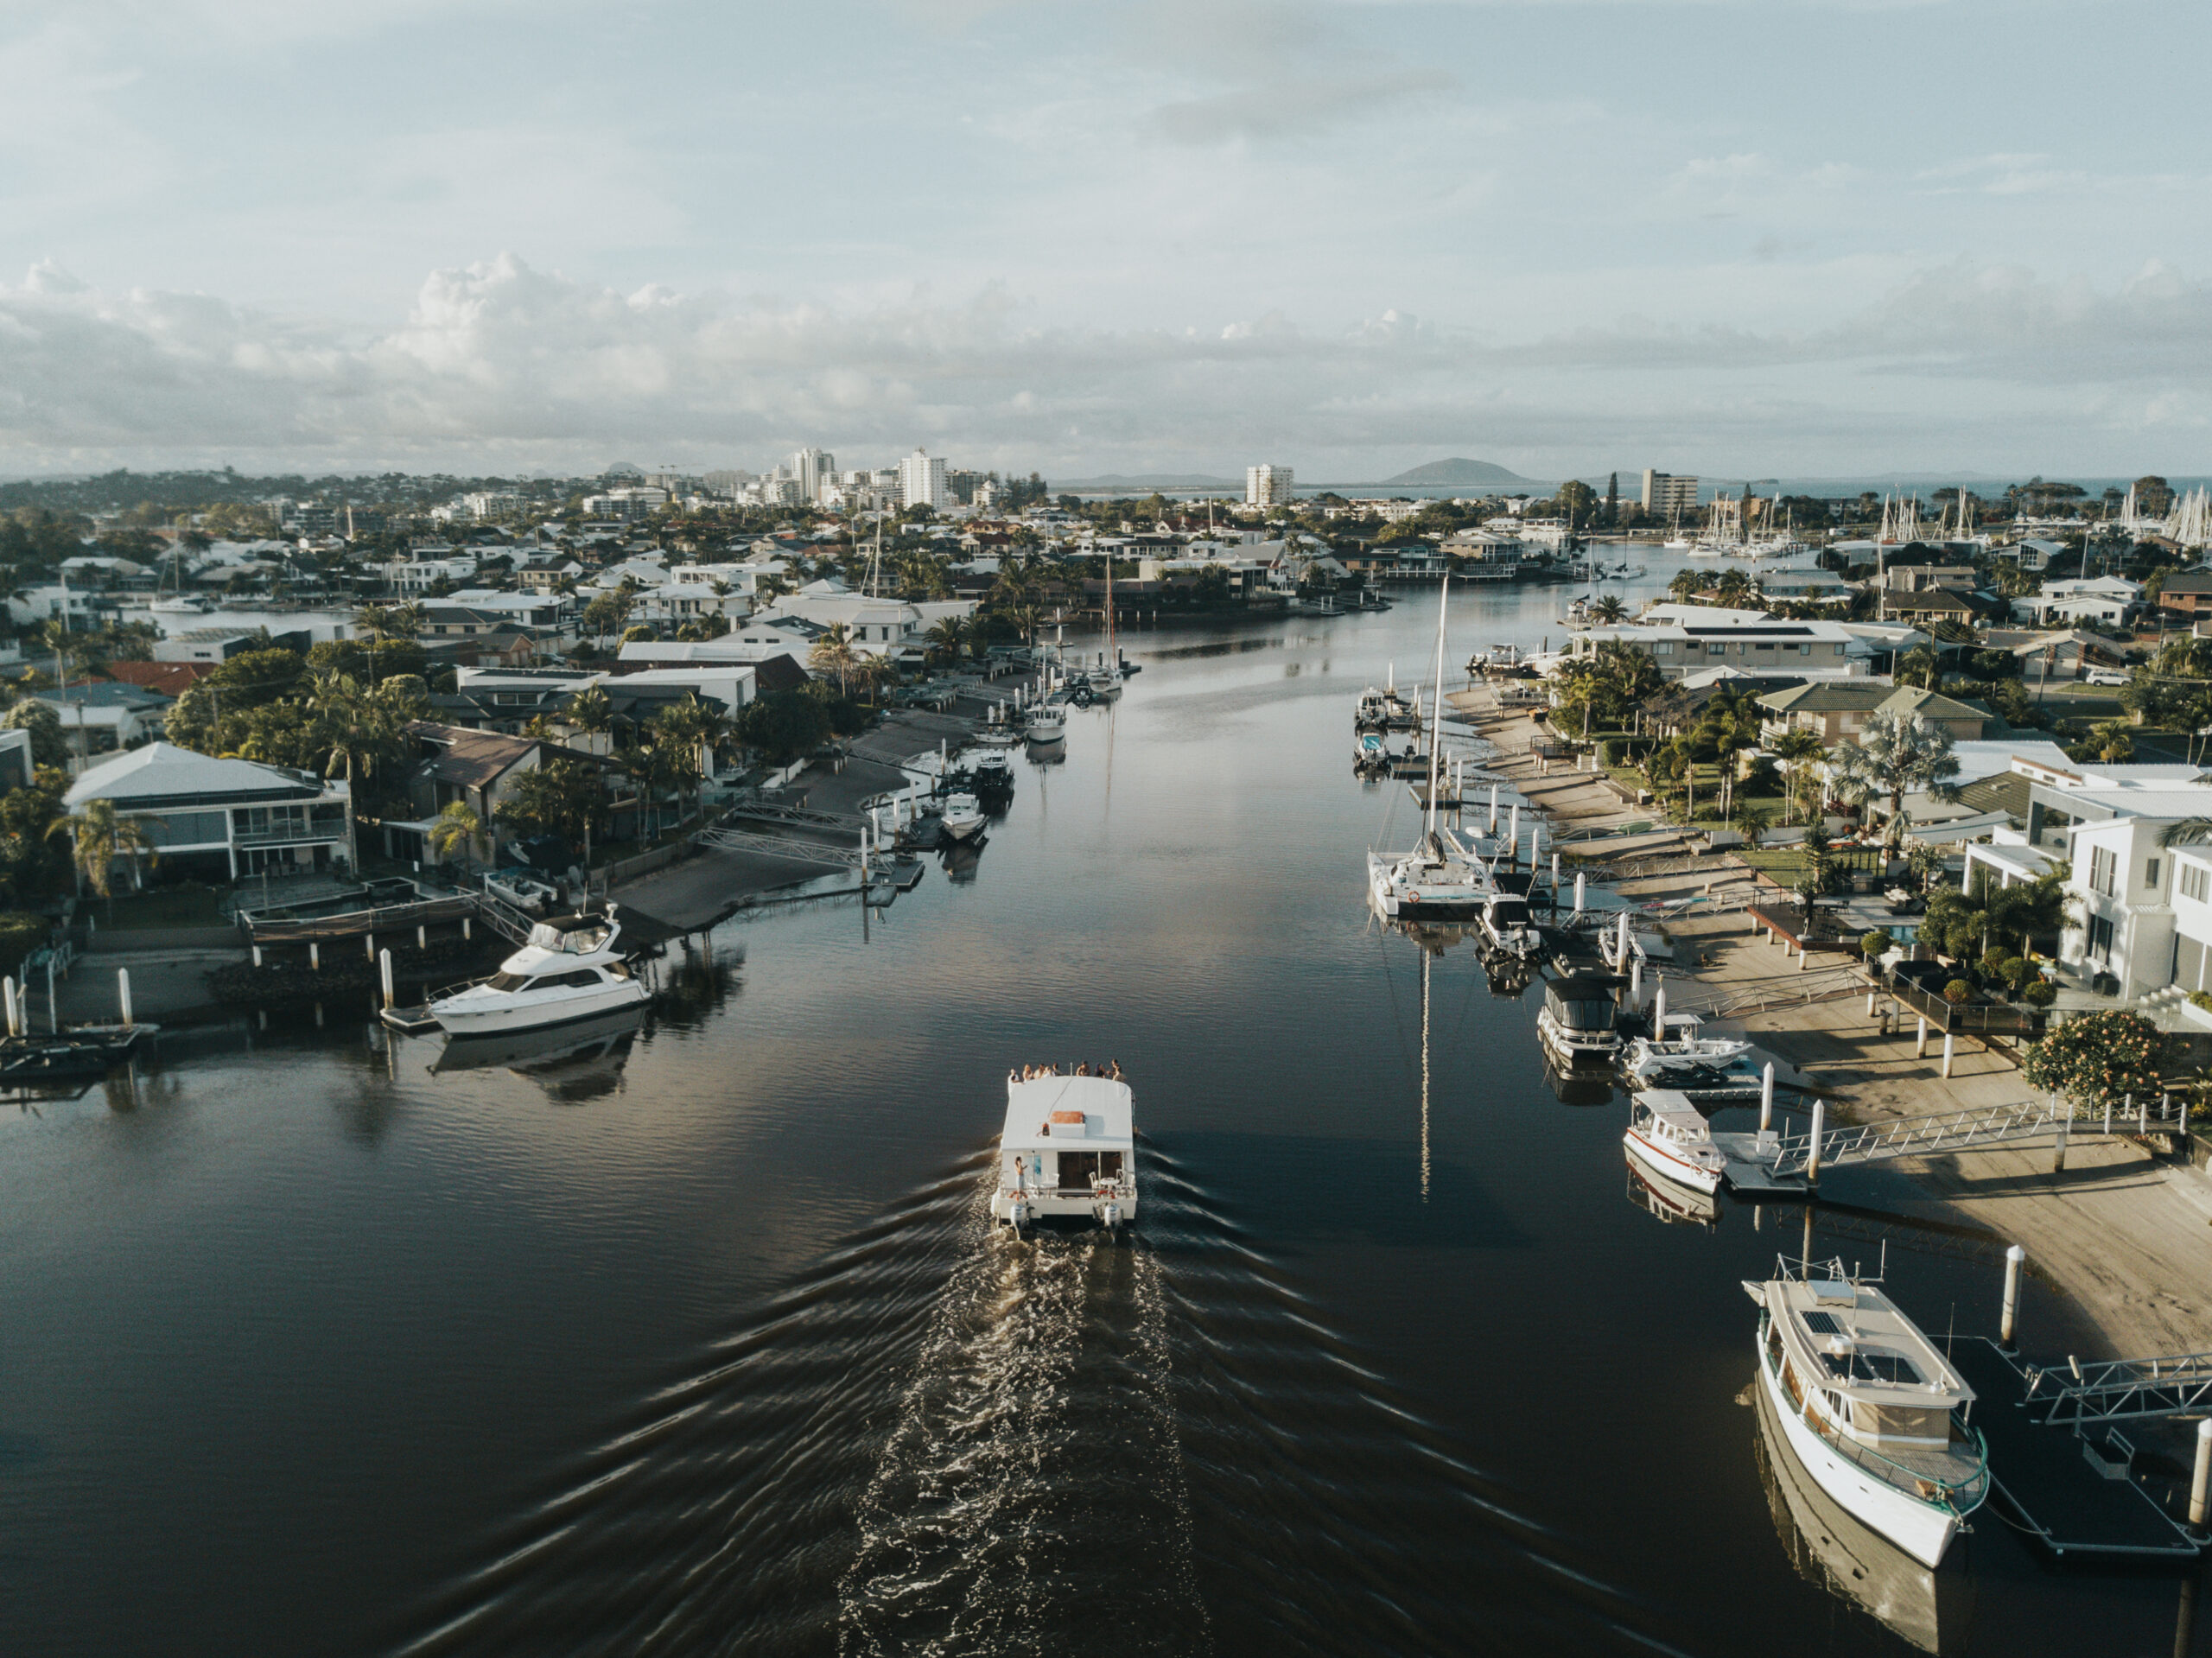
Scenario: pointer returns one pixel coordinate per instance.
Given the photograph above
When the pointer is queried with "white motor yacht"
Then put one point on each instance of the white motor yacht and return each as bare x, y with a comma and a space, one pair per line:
961, 818
1508, 925
1046, 722
1668, 1136
1068, 1151
1869, 1408
1577, 1024
571, 968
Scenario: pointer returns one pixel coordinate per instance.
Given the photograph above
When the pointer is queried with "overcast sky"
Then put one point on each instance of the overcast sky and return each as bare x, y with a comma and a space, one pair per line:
1815, 239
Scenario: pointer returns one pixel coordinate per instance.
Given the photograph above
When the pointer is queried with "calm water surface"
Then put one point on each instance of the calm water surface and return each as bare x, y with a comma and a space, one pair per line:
704, 1345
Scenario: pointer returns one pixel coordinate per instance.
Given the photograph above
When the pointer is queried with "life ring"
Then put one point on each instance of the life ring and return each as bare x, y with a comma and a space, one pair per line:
1410, 897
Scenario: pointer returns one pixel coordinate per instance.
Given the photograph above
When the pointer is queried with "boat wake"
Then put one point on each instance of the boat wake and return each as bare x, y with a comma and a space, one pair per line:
1033, 1465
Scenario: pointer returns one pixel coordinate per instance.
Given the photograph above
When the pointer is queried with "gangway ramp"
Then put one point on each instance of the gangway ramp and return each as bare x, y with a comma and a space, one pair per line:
2118, 1391
781, 846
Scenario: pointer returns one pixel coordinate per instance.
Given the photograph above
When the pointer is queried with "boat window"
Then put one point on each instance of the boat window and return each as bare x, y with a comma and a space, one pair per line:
508, 981
1872, 1365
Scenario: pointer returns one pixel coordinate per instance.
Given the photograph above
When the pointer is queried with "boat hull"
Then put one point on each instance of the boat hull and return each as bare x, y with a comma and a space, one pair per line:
470, 1020
964, 830
1661, 1160
1920, 1529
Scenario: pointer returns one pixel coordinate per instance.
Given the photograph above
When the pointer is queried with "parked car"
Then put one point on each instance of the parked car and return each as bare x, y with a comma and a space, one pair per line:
2105, 677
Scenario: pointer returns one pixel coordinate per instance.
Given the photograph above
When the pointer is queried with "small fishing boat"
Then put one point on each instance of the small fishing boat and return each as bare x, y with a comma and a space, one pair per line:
992, 775
1577, 1024
1668, 1136
570, 968
1373, 713
962, 817
1046, 722
1068, 1151
1869, 1408
1709, 1082
1508, 925
1681, 1044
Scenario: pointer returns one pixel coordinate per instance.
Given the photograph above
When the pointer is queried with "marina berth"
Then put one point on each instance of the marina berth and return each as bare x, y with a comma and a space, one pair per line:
1667, 1134
1067, 1151
1579, 1022
570, 968
1869, 1408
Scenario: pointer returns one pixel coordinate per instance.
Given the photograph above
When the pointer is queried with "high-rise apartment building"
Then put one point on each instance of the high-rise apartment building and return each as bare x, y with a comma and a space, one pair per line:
813, 468
1267, 485
1663, 491
921, 482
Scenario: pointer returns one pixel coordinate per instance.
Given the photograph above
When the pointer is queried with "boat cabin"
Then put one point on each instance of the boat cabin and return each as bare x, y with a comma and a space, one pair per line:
1848, 1355
1067, 1150
1582, 1004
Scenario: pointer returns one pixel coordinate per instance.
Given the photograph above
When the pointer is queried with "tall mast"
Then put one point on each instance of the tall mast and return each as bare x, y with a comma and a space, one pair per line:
1436, 715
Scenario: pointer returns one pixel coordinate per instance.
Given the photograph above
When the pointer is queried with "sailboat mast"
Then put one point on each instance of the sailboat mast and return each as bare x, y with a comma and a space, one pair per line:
1436, 714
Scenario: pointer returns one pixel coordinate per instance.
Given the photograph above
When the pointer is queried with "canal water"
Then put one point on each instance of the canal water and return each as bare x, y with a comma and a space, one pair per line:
699, 1341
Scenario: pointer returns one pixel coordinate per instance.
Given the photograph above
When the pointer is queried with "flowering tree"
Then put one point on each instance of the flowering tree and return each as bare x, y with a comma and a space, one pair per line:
2098, 1059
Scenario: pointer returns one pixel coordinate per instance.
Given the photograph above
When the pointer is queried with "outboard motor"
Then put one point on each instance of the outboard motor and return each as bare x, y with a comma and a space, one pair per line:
1017, 1214
1111, 1216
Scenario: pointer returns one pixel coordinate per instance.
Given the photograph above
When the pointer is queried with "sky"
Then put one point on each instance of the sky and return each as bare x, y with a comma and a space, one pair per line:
1783, 238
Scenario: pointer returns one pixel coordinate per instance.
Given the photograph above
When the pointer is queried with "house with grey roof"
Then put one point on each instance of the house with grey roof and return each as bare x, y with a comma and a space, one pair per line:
222, 818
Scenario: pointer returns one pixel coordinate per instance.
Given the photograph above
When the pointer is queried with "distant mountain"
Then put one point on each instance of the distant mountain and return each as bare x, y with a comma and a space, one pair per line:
1458, 470
1149, 481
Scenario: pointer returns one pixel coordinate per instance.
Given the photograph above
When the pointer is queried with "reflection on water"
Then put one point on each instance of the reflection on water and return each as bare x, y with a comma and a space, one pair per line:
573, 1063
1656, 1195
1933, 1611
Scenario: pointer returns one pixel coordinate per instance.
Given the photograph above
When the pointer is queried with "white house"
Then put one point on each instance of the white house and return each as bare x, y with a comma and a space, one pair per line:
2109, 600
223, 817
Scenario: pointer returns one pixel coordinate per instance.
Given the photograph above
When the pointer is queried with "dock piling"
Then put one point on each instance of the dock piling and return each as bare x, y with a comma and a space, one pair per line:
2200, 1483
369, 939
123, 995
1766, 1098
1813, 1146
421, 935
314, 957
15, 1011
1920, 1052
53, 1017
2010, 1317
1636, 984
1580, 876
383, 972
1950, 1043
1659, 1012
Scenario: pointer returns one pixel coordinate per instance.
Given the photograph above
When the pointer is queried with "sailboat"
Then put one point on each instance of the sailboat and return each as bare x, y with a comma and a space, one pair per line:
1437, 883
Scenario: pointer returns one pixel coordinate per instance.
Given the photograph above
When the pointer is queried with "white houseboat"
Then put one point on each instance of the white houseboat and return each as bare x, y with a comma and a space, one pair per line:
1670, 1137
1869, 1408
570, 968
1067, 1151
1576, 1023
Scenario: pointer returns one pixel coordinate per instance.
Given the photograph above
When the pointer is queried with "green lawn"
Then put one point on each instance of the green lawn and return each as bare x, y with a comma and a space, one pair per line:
164, 906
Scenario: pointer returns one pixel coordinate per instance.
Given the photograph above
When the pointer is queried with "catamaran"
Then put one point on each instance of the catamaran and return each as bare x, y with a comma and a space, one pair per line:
1068, 1150
1868, 1407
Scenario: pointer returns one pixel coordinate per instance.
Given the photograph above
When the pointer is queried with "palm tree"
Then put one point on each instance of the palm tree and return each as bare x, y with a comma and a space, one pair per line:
98, 838
1896, 754
833, 653
1610, 609
590, 711
1733, 588
1920, 667
2114, 743
457, 829
947, 638
1798, 749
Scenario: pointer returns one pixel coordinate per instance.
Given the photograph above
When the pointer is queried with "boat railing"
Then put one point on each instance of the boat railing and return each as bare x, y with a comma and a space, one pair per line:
1961, 1497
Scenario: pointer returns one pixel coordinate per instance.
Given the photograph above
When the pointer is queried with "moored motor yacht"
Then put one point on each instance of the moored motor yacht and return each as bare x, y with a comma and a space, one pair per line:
1577, 1024
1068, 1150
570, 968
1667, 1134
1869, 1408
962, 817
1508, 925
1046, 722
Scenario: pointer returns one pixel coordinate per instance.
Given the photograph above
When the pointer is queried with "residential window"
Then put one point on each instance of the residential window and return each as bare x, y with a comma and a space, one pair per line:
2102, 865
2099, 938
2196, 880
2151, 872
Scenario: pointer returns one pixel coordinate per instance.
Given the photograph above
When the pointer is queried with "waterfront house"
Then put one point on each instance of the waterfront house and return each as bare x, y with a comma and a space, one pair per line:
1749, 640
1838, 710
2108, 601
220, 818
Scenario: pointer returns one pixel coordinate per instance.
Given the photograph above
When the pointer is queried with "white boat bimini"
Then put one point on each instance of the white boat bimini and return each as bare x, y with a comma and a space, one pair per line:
1869, 1408
1067, 1151
1670, 1137
570, 968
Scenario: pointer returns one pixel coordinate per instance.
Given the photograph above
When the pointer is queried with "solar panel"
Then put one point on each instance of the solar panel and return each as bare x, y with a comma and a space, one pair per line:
1823, 1324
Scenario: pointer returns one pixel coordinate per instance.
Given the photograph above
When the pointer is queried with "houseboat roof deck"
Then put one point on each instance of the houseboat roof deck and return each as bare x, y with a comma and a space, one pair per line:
1055, 1113
1860, 1344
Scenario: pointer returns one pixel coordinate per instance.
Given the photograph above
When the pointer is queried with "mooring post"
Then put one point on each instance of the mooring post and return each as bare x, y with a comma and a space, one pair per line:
123, 995
1492, 830
1659, 1012
467, 931
2200, 1483
1581, 877
1950, 1044
1813, 1146
1870, 1001
1513, 838
15, 1014
370, 940
863, 857
2010, 1317
1920, 1050
1636, 985
383, 971
52, 1015
421, 935
2058, 1155
1766, 1099
314, 956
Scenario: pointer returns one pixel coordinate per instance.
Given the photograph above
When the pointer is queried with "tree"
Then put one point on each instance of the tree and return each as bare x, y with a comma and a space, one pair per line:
784, 725
49, 745
833, 653
2098, 1059
1897, 754
592, 712
458, 828
99, 837
947, 638
1733, 589
2111, 741
1610, 609
1920, 667
1800, 752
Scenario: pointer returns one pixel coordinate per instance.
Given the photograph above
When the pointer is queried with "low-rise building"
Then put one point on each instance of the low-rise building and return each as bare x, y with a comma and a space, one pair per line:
106, 716
2186, 595
1758, 644
224, 818
1838, 710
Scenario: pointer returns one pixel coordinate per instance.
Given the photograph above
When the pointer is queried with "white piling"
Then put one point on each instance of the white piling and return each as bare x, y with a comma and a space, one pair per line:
1636, 984
15, 1013
1555, 875
2058, 1154
123, 995
1766, 1097
314, 956
1493, 811
2200, 1484
1580, 876
370, 940
383, 971
1870, 1001
1659, 1013
2010, 1317
1813, 1148
53, 1014
468, 931
256, 956
863, 857
1920, 1050
1513, 836
1949, 1047
1620, 943
422, 935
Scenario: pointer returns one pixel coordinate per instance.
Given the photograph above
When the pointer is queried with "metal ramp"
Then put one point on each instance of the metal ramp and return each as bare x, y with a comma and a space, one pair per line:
1948, 1130
799, 817
2119, 1390
782, 846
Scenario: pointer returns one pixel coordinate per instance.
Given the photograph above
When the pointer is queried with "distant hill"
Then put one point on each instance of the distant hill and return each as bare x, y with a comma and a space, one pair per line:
1458, 470
1146, 482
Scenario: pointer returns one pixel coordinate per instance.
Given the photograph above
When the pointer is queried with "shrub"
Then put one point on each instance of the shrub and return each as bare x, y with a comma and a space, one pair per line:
2041, 993
1876, 943
2202, 998
19, 935
2020, 973
2098, 1059
1957, 991
1997, 963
